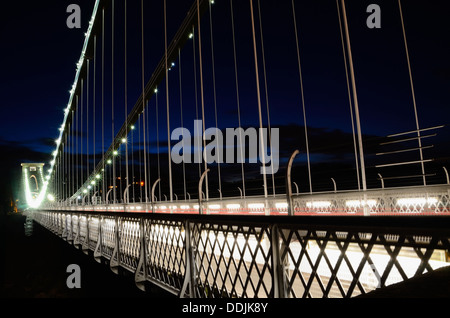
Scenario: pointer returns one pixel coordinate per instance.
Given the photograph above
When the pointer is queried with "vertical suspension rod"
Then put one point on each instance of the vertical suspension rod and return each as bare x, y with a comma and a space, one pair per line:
258, 92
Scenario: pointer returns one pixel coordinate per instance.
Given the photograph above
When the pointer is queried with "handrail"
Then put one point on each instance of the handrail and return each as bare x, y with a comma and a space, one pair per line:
182, 249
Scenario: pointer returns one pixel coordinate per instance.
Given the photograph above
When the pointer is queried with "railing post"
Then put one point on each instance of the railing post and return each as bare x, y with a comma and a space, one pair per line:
288, 183
190, 276
114, 264
65, 230
446, 175
107, 196
126, 198
76, 240
279, 275
334, 185
70, 237
200, 192
98, 248
140, 276
382, 181
86, 244
153, 194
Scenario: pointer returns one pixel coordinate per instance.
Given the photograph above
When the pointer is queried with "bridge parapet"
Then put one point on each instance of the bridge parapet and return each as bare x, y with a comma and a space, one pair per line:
258, 256
428, 200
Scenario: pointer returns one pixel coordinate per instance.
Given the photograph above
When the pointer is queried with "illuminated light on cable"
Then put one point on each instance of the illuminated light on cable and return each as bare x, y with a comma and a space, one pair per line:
358, 203
281, 205
97, 176
50, 197
58, 141
191, 35
156, 90
115, 153
55, 153
233, 206
133, 127
256, 206
109, 161
417, 201
89, 187
318, 204
85, 191
124, 140
214, 206
93, 182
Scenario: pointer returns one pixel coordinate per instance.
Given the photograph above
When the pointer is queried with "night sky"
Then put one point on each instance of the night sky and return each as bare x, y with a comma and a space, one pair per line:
39, 56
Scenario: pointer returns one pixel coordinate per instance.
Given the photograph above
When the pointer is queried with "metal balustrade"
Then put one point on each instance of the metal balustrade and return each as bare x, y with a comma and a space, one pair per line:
258, 256
389, 201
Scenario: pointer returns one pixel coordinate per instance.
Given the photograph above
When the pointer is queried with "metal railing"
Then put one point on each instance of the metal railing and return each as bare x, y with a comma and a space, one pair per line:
388, 201
258, 256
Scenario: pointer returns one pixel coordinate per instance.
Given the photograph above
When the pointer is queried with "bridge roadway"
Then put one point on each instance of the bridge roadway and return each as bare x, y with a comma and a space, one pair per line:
214, 255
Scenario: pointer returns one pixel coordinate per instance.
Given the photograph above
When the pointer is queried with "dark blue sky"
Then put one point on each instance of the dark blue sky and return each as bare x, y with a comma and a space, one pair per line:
39, 56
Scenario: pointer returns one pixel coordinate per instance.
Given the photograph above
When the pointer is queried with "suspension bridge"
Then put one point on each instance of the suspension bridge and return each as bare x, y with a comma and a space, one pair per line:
229, 228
